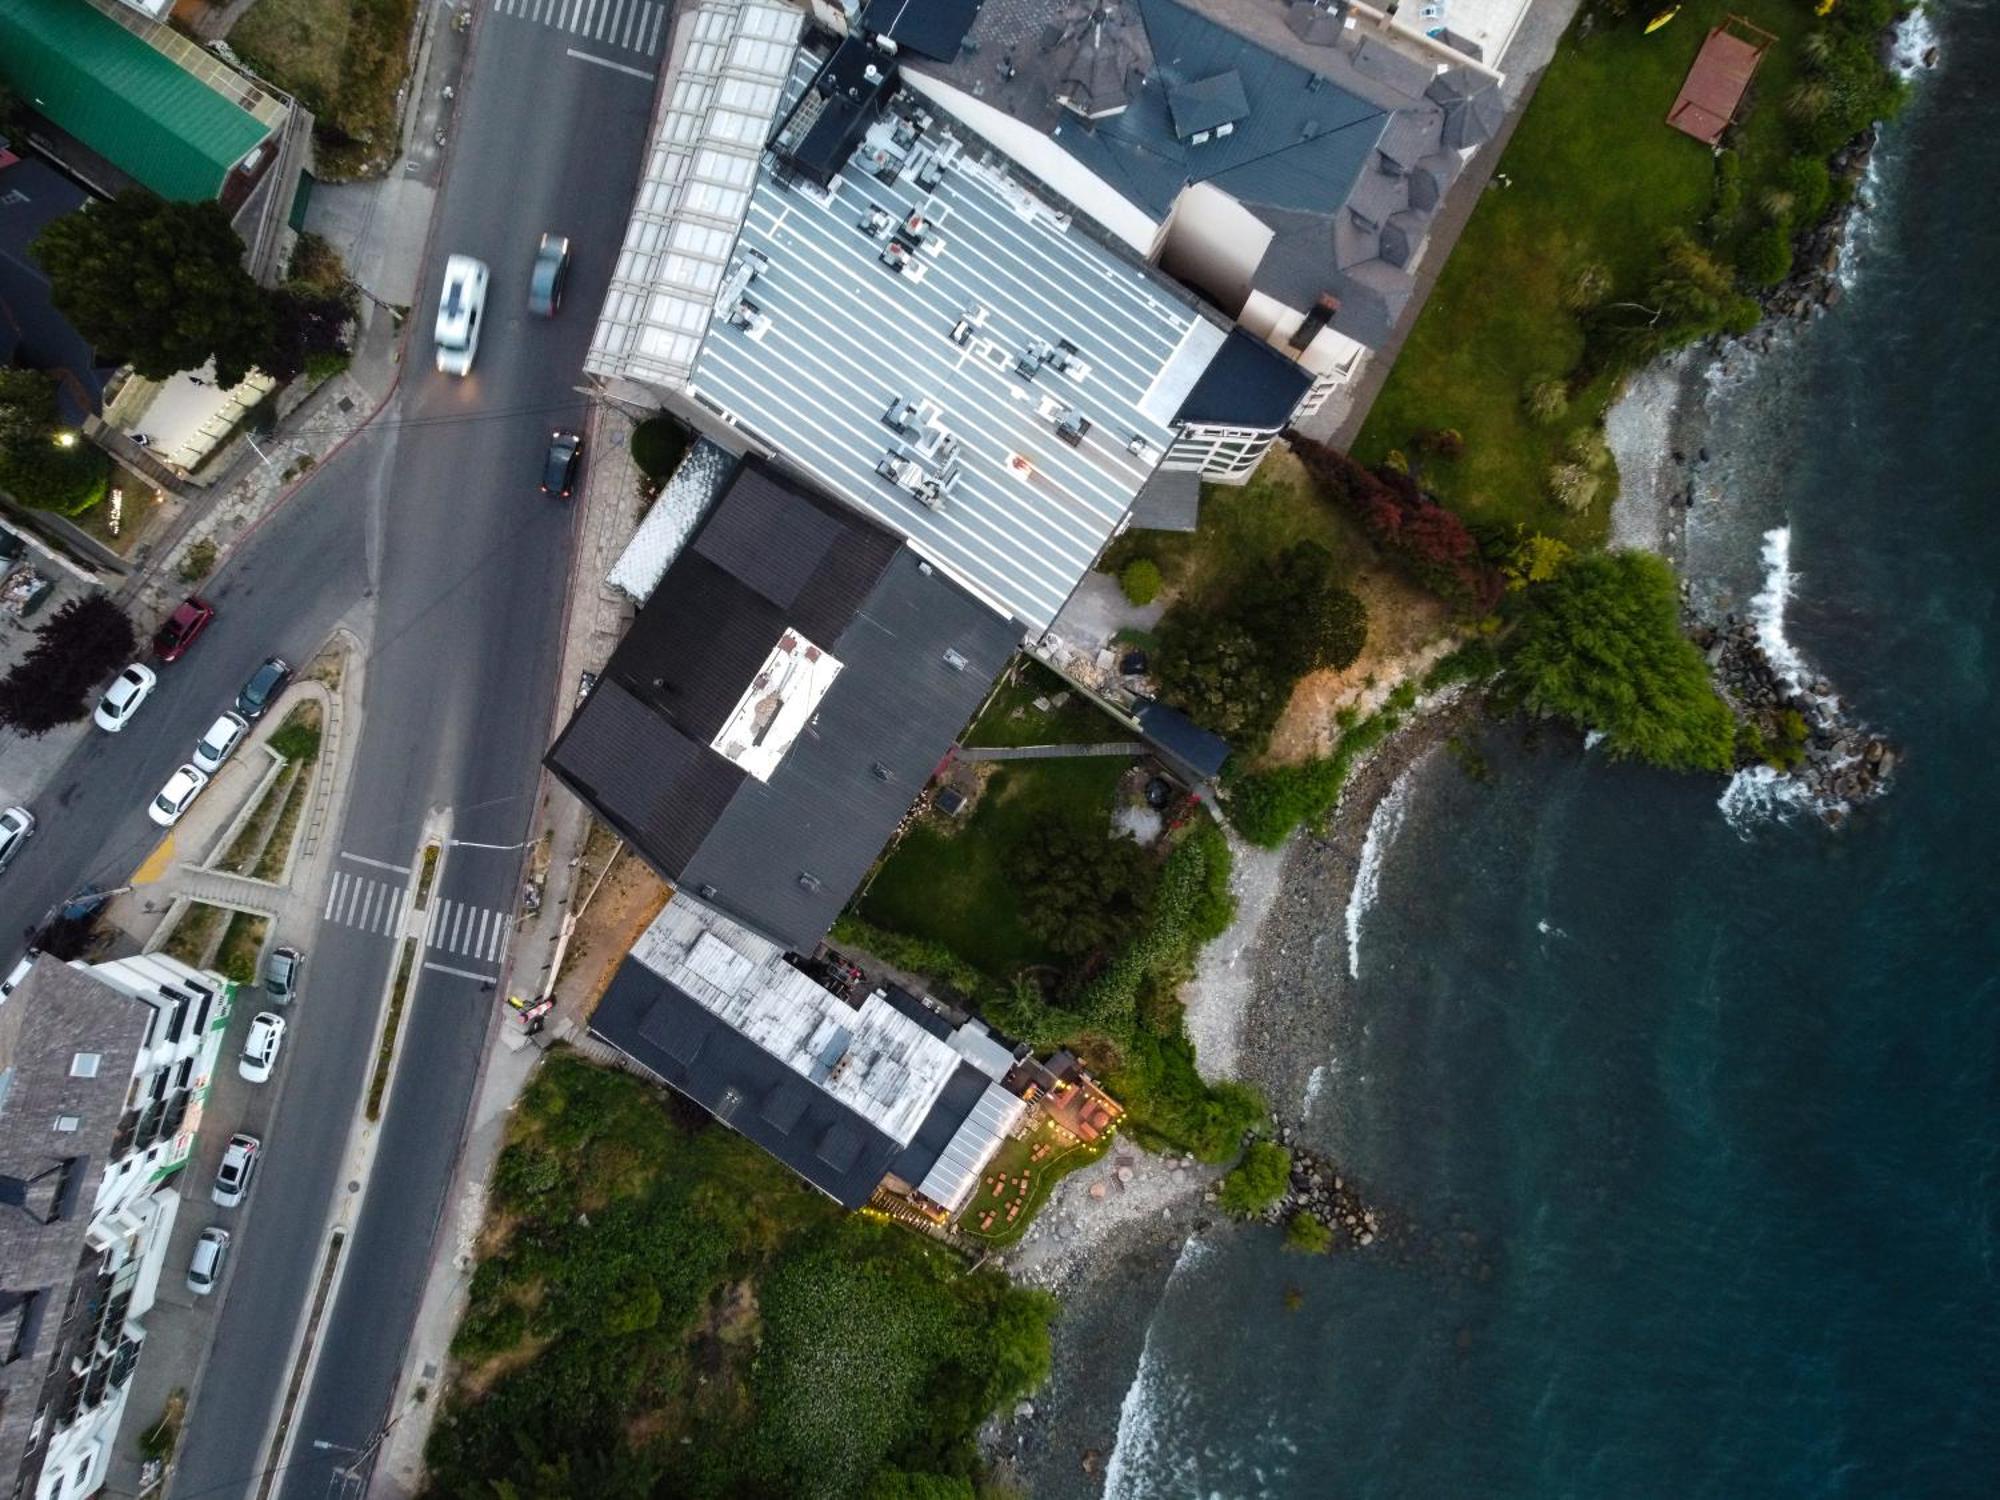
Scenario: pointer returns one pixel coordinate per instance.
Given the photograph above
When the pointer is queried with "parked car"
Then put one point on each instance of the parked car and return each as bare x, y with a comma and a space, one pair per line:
260, 1047
18, 973
177, 796
262, 690
460, 303
17, 826
122, 699
220, 742
205, 1268
559, 468
550, 274
239, 1161
281, 974
189, 619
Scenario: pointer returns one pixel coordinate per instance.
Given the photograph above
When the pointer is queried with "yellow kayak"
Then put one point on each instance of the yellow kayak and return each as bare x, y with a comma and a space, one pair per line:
1662, 18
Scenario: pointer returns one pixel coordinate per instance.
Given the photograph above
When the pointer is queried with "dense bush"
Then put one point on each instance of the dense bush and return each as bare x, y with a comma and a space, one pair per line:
1430, 541
1307, 1235
1600, 645
1767, 255
1082, 891
43, 465
1257, 1181
1140, 579
1811, 186
657, 446
912, 955
1692, 295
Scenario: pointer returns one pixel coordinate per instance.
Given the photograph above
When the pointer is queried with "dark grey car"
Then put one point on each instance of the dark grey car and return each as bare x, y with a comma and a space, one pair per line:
281, 974
551, 272
263, 687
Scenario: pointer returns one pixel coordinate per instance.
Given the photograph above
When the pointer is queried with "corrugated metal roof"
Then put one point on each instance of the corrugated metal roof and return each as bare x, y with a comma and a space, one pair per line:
953, 1176
126, 90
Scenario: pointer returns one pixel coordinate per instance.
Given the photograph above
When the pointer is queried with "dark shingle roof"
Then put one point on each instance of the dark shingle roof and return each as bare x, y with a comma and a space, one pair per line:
781, 855
1207, 102
929, 28
1247, 384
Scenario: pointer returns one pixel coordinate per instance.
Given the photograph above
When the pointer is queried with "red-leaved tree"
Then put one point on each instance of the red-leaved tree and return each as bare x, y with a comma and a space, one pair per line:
1429, 540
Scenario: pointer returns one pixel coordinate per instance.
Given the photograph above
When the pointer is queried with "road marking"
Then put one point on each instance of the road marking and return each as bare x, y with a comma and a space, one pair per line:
347, 906
656, 12
431, 921
380, 864
605, 62
461, 973
500, 936
457, 926
333, 894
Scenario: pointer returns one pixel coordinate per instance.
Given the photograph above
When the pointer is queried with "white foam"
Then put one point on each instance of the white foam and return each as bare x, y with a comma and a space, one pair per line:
1142, 1464
1383, 825
1762, 794
1592, 738
1910, 41
1315, 1086
1767, 612
1548, 929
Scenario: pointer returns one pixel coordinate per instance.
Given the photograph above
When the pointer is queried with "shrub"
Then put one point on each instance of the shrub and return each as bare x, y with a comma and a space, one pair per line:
1546, 398
1140, 579
1586, 446
1444, 442
1432, 543
1257, 1181
1535, 559
42, 464
657, 446
1305, 1234
1588, 285
1767, 257
1573, 487
296, 741
1811, 187
1082, 890
198, 561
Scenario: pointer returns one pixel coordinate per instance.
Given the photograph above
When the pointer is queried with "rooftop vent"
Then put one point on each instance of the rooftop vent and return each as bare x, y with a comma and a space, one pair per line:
84, 1065
68, 1124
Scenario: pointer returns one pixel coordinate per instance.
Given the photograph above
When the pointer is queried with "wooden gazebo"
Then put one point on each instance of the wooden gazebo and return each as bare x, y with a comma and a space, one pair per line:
1716, 83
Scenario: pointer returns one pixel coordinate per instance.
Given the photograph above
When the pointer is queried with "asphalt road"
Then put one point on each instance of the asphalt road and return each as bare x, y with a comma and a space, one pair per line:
427, 534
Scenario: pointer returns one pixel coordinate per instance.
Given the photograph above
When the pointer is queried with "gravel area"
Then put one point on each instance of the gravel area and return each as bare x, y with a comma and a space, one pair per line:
1217, 998
1126, 1198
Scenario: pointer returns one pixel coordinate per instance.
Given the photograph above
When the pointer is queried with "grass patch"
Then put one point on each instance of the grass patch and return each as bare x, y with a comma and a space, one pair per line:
1598, 179
1013, 1160
198, 561
194, 933
278, 848
297, 739
160, 1440
244, 848
385, 1054
1242, 528
1011, 717
426, 873
947, 883
242, 943
661, 1308
345, 59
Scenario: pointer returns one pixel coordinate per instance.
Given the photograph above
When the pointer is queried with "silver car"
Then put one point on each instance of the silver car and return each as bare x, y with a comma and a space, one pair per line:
17, 826
205, 1266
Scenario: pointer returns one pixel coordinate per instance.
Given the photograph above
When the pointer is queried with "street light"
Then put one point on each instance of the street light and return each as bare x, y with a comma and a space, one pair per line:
65, 440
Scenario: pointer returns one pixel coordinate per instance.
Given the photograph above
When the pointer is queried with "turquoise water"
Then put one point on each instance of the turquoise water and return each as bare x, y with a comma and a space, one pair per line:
1695, 1126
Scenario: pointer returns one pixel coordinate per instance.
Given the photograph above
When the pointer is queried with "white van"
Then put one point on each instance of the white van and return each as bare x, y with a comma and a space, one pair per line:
459, 307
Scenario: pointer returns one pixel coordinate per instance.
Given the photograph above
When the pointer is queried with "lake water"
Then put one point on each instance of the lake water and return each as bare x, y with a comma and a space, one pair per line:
1695, 1118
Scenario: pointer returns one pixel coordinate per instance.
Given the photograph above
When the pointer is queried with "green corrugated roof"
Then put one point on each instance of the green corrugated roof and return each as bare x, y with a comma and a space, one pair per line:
135, 107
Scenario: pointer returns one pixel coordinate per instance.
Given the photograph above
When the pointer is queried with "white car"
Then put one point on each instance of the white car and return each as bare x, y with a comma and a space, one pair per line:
17, 826
459, 306
122, 699
18, 973
205, 1266
177, 796
232, 1178
223, 736
260, 1047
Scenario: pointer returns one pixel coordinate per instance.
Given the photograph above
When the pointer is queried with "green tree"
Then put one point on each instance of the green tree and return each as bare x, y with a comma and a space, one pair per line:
1534, 558
1140, 579
1082, 891
1257, 1181
1307, 1235
1219, 673
74, 650
1600, 645
1306, 619
898, 1484
158, 284
43, 464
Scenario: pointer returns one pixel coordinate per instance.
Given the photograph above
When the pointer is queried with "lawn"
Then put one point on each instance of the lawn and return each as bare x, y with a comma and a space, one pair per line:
1011, 717
345, 59
194, 933
1242, 528
1014, 1160
242, 942
947, 882
1598, 179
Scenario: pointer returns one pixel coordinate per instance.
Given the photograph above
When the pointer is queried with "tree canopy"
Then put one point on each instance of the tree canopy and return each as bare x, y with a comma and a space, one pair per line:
1258, 1181
37, 466
75, 649
1082, 891
1600, 645
158, 284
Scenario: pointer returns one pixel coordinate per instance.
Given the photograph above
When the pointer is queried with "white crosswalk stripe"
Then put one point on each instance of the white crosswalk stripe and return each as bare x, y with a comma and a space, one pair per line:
630, 25
364, 903
472, 932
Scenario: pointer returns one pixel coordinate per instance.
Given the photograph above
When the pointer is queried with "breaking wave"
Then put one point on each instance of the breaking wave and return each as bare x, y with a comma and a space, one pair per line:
1383, 826
1154, 1412
1767, 611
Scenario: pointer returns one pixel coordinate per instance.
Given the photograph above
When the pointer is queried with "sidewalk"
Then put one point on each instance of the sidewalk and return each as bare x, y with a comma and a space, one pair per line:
595, 620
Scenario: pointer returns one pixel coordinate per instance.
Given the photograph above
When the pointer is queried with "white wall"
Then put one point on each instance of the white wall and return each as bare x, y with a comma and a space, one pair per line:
1215, 243
1044, 157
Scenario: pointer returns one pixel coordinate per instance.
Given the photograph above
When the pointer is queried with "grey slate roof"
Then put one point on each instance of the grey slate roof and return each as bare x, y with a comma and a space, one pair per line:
1247, 384
1170, 501
56, 1013
839, 1152
772, 556
1207, 102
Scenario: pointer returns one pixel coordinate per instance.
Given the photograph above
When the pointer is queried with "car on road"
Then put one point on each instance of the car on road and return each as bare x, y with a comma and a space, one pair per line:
17, 826
459, 306
550, 274
239, 1161
205, 1265
263, 687
18, 973
260, 1047
281, 974
220, 742
189, 619
177, 796
559, 468
122, 699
